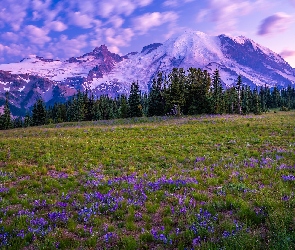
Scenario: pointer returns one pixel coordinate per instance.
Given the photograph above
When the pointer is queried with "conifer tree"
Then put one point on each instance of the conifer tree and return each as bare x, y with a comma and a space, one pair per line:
5, 121
156, 103
123, 107
197, 88
39, 113
216, 93
256, 102
238, 88
276, 98
17, 122
27, 120
134, 100
174, 93
245, 100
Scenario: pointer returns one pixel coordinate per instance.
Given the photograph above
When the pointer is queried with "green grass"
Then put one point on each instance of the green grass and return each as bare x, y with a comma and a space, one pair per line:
204, 182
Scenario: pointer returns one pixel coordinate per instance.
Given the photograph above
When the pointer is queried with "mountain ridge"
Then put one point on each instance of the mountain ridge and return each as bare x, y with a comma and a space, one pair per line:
104, 72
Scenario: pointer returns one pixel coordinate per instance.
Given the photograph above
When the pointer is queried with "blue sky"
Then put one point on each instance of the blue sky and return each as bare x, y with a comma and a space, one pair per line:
61, 29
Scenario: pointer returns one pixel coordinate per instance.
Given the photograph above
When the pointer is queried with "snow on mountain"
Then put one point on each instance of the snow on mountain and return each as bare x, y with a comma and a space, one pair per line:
258, 65
104, 72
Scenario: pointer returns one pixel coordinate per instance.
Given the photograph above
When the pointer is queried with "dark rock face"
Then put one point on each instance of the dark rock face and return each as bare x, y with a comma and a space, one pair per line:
104, 54
149, 48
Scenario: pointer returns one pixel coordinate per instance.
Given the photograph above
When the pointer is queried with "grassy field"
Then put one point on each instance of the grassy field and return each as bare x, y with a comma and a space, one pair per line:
204, 182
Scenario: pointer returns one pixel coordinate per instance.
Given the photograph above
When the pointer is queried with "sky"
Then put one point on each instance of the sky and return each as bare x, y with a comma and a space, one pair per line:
60, 29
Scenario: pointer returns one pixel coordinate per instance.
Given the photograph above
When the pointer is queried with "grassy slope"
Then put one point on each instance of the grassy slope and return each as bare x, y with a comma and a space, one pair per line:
133, 185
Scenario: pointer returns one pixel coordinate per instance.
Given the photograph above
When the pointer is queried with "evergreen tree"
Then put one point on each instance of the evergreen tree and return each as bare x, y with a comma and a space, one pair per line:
156, 103
216, 94
245, 102
276, 98
134, 100
197, 86
256, 102
5, 121
230, 99
174, 92
27, 120
76, 109
38, 113
262, 96
17, 122
123, 107
238, 88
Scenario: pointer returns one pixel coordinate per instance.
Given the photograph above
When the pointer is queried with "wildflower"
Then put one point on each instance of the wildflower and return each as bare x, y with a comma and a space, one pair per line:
288, 177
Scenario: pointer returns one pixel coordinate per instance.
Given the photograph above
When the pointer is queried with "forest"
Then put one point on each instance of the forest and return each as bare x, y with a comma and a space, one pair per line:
180, 92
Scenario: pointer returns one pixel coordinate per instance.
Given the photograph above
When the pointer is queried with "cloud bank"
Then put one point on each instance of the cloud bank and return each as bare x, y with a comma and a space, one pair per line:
287, 53
273, 24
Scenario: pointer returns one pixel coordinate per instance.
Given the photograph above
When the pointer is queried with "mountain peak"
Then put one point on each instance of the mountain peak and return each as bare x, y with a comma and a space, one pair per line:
101, 48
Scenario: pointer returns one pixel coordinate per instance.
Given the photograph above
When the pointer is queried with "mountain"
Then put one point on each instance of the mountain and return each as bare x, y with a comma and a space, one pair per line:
104, 72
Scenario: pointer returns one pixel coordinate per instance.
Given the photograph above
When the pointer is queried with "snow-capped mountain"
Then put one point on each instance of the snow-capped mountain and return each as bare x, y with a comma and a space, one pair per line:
104, 72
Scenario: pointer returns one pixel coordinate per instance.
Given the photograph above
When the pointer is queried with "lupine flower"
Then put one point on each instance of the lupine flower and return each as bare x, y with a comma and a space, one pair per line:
288, 177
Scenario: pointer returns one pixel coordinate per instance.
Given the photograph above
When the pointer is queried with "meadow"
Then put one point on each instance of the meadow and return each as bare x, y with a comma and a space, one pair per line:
193, 182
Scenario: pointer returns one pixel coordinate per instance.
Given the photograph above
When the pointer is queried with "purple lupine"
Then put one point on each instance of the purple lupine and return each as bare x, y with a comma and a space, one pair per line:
288, 177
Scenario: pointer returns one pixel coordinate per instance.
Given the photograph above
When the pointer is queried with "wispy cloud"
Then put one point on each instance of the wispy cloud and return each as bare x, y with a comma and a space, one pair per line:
226, 13
118, 7
276, 23
81, 20
56, 26
287, 53
13, 13
36, 35
66, 47
149, 20
176, 3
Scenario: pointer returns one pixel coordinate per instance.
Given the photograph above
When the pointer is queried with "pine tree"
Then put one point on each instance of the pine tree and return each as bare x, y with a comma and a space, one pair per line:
123, 106
262, 96
216, 94
134, 100
276, 98
230, 99
6, 117
238, 88
27, 120
174, 93
197, 88
17, 122
245, 103
39, 113
156, 103
256, 102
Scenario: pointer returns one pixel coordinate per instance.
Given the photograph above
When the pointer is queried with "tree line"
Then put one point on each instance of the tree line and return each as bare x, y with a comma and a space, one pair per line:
180, 92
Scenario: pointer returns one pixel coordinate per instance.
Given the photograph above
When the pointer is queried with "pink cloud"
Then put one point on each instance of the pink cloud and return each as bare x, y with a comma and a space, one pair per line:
149, 20
13, 12
10, 36
119, 7
226, 13
276, 23
65, 47
176, 3
118, 38
57, 26
287, 53
36, 35
81, 20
